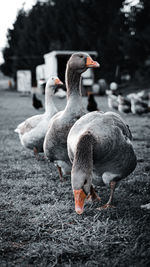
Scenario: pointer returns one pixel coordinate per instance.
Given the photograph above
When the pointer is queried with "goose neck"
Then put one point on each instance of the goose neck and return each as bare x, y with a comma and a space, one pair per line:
49, 102
73, 82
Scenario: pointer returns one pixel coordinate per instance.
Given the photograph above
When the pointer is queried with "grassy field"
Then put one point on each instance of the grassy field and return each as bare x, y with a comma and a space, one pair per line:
38, 224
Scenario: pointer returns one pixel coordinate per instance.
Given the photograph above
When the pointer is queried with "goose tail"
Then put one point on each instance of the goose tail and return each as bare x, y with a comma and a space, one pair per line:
17, 130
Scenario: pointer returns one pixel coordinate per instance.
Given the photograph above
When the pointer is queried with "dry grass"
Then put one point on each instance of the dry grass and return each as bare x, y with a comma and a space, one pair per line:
39, 226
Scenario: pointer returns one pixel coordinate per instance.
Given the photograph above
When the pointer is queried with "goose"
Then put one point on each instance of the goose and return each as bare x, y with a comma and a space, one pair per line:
124, 104
101, 142
55, 143
32, 131
130, 96
36, 103
60, 93
146, 206
143, 95
138, 106
113, 86
92, 105
112, 100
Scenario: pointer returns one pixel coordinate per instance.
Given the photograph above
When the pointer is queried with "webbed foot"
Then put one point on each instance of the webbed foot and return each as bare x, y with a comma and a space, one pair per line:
93, 196
106, 206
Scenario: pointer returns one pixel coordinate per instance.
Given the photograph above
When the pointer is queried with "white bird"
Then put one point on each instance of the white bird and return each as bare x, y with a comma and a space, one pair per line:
124, 104
113, 86
112, 100
61, 93
146, 206
138, 106
132, 95
100, 142
55, 143
32, 131
143, 95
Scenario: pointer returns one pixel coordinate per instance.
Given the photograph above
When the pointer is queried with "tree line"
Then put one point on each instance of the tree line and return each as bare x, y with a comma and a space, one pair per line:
120, 35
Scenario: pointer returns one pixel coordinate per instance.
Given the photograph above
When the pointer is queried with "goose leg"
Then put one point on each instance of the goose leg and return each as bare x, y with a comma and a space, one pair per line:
108, 204
36, 153
93, 196
60, 172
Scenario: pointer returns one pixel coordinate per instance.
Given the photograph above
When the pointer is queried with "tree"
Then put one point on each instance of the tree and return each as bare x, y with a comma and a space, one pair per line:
66, 25
136, 38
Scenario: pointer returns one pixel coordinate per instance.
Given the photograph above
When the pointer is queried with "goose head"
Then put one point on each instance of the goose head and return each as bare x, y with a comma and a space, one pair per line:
81, 190
53, 84
82, 170
80, 62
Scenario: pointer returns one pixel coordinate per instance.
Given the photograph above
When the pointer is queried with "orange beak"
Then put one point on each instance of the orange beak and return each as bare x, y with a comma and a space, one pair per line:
79, 197
57, 81
90, 63
89, 93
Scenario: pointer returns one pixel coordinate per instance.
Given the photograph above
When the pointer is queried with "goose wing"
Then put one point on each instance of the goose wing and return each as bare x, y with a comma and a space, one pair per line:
28, 124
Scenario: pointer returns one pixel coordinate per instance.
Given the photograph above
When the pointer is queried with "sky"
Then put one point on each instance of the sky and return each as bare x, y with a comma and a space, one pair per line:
8, 12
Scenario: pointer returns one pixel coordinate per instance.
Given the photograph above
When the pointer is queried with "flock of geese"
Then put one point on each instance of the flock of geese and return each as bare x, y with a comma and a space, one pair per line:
77, 143
137, 103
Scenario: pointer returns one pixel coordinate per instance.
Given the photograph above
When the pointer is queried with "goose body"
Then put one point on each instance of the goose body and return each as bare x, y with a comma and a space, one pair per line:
146, 206
112, 101
124, 104
32, 131
143, 95
60, 93
55, 143
138, 106
130, 96
101, 142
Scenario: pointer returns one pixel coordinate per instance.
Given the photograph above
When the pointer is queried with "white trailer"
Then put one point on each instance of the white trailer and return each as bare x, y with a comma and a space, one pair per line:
40, 72
24, 81
55, 64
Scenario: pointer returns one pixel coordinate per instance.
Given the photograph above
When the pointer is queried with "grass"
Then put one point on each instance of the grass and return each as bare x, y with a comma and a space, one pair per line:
39, 226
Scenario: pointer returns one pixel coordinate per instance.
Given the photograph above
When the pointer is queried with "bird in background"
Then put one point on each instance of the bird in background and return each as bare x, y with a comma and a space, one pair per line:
36, 103
138, 106
112, 100
92, 105
124, 104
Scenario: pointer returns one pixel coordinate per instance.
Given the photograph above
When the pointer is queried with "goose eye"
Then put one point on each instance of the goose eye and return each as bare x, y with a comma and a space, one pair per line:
85, 182
81, 56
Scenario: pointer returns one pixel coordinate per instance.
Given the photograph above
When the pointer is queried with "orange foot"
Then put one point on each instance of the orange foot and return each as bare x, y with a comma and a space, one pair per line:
93, 196
106, 206
63, 179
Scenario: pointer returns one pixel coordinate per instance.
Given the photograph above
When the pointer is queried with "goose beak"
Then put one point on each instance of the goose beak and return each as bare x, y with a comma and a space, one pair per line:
57, 81
90, 63
79, 197
89, 93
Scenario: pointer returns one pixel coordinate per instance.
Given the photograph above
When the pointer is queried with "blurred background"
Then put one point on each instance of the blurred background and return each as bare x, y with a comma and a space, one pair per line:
118, 31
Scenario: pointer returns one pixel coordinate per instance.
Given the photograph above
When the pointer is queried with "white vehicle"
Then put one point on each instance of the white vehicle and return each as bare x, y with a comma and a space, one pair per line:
55, 64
